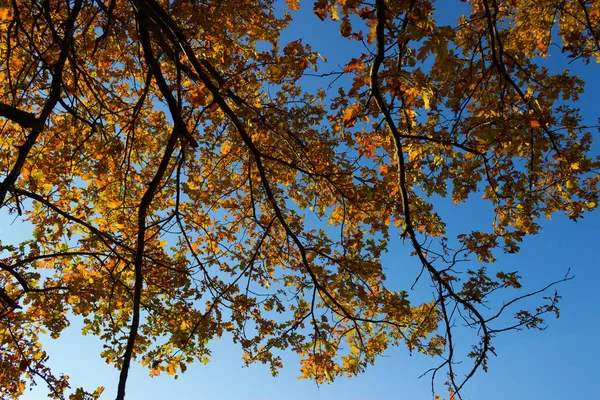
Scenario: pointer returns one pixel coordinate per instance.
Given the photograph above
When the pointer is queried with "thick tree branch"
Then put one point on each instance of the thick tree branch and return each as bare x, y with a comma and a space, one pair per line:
25, 119
143, 207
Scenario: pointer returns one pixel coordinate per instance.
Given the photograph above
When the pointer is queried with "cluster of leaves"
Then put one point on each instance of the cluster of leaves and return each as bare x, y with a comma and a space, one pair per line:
172, 166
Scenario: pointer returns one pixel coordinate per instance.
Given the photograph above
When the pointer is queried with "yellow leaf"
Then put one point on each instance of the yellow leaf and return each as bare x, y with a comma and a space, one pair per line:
225, 148
334, 12
171, 368
426, 95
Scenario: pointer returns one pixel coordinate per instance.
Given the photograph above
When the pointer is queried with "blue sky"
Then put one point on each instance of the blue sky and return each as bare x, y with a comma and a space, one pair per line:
558, 363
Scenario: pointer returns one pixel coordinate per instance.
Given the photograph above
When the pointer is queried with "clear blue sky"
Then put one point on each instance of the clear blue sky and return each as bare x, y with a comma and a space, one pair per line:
559, 363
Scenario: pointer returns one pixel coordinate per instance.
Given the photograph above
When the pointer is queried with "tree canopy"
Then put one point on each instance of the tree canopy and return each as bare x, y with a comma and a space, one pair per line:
188, 174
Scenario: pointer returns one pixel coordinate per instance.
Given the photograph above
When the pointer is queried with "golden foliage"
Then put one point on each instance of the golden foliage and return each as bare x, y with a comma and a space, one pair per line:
175, 164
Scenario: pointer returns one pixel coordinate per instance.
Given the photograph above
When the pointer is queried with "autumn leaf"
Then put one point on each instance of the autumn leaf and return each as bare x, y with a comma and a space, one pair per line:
355, 65
350, 115
293, 5
535, 124
345, 27
199, 96
321, 9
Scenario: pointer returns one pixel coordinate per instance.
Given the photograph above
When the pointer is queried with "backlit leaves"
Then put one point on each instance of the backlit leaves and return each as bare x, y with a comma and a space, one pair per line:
185, 180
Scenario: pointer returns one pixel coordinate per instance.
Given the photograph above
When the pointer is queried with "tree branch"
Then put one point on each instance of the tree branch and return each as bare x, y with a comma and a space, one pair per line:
143, 210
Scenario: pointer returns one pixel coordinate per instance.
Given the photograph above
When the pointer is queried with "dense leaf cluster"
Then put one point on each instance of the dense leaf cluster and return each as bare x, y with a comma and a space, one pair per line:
184, 183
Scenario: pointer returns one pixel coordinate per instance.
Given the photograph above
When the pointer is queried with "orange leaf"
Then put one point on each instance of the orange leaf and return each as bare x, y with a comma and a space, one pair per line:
355, 65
